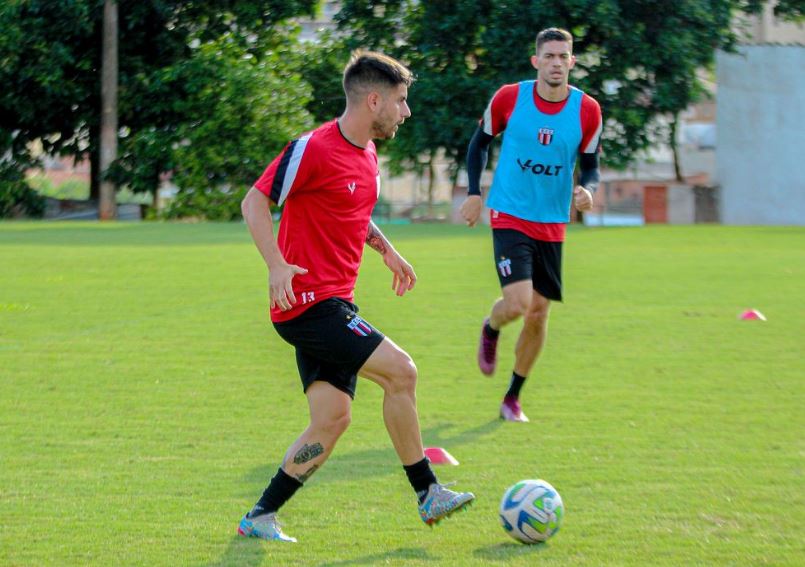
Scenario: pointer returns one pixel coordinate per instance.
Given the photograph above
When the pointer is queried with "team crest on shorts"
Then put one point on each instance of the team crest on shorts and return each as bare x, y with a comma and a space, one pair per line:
505, 266
359, 327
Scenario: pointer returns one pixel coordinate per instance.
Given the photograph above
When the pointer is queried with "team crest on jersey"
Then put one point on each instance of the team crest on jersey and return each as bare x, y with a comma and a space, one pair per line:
351, 187
545, 136
505, 266
359, 326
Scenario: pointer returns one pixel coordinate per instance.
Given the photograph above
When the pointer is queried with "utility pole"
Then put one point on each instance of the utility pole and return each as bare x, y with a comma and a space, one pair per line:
107, 207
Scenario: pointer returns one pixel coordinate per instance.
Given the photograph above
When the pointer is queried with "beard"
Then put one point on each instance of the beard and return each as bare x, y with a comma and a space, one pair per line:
384, 128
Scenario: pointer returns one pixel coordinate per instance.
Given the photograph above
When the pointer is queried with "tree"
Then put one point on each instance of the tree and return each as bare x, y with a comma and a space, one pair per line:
246, 109
51, 52
107, 207
439, 41
639, 58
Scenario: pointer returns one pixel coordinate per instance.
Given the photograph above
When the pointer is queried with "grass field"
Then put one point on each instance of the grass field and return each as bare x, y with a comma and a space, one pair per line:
145, 400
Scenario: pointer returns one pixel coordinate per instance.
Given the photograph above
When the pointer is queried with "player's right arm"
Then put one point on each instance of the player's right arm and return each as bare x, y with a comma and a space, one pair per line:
256, 209
494, 121
284, 175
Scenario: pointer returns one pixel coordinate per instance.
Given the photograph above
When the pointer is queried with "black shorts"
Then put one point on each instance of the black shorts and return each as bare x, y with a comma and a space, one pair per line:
519, 257
332, 343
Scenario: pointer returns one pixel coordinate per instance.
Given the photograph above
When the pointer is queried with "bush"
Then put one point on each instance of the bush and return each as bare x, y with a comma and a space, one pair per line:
74, 189
209, 204
17, 199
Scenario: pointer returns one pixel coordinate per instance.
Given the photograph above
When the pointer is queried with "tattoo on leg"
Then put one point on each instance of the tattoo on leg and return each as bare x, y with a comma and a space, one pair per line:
308, 453
307, 474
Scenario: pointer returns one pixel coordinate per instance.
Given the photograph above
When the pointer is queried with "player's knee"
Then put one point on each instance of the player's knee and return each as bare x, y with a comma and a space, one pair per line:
537, 312
404, 376
516, 307
337, 423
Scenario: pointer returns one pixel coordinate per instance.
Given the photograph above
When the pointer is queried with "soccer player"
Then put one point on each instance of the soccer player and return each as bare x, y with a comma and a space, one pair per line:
328, 180
548, 125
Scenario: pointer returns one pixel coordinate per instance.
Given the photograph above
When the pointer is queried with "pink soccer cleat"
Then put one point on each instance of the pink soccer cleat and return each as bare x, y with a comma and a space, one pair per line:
487, 352
510, 410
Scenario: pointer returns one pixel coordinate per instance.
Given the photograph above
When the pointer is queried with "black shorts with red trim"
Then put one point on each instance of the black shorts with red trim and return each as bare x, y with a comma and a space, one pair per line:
519, 257
332, 343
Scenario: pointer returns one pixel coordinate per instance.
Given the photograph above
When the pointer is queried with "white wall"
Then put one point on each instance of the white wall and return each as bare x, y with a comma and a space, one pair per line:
760, 117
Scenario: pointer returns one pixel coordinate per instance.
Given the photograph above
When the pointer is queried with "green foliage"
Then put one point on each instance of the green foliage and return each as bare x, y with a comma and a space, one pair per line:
246, 108
241, 108
638, 58
322, 66
71, 189
207, 203
50, 71
439, 42
16, 197
791, 10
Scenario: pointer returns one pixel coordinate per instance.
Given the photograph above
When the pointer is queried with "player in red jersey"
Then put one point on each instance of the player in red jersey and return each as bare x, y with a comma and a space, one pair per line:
329, 182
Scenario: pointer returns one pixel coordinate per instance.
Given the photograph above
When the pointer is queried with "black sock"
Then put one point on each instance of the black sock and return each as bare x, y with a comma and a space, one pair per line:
515, 385
490, 332
421, 476
278, 492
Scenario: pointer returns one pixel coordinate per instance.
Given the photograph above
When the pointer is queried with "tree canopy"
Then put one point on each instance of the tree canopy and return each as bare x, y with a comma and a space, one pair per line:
639, 58
211, 89
51, 51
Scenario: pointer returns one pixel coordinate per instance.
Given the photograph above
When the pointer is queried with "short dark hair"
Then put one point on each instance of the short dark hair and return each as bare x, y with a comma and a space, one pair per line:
554, 34
370, 68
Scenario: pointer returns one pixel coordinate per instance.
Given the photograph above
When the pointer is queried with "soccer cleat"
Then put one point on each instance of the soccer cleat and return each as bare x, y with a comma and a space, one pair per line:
510, 410
264, 526
487, 351
441, 502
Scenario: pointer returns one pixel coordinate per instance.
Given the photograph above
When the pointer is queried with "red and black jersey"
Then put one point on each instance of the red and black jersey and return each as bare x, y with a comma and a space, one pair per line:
329, 187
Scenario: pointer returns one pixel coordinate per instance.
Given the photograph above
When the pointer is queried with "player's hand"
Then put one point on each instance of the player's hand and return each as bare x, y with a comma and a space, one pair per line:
280, 286
471, 209
404, 276
582, 199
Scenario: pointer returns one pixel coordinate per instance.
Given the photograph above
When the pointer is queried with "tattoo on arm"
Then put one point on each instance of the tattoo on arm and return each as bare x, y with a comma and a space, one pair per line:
307, 474
375, 239
308, 453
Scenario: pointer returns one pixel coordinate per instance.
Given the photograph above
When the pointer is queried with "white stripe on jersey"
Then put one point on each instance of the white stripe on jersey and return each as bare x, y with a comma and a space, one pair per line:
488, 119
592, 146
293, 167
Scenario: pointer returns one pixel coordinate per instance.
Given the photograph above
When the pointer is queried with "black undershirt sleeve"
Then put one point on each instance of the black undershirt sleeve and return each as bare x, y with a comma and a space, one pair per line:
477, 154
589, 176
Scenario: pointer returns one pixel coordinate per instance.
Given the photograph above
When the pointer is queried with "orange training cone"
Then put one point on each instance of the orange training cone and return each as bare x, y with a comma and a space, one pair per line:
439, 456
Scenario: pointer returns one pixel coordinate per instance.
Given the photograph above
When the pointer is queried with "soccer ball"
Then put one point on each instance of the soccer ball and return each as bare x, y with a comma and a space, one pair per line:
531, 511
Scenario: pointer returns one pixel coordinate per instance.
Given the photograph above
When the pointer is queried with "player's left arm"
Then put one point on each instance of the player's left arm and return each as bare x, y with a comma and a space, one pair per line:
589, 175
404, 276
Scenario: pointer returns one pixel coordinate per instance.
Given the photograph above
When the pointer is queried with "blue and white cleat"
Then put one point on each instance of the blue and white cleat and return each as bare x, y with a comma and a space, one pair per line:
264, 526
441, 502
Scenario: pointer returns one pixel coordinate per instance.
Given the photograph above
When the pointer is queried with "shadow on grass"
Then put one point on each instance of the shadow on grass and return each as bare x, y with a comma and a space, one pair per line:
241, 551
508, 551
373, 463
251, 552
404, 553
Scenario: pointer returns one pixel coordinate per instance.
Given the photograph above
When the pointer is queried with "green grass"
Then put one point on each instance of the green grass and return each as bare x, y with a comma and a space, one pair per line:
145, 400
